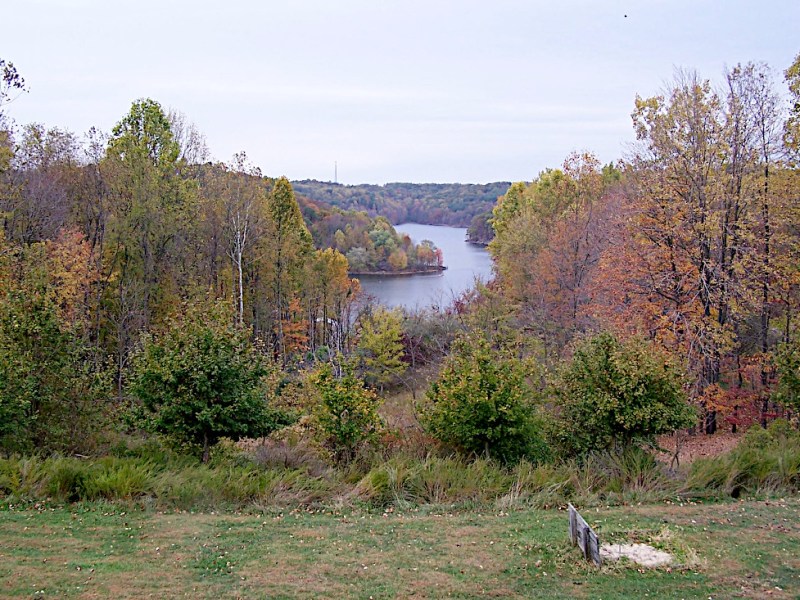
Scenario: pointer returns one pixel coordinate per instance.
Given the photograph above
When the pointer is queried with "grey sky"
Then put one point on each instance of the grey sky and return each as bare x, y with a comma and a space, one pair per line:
412, 90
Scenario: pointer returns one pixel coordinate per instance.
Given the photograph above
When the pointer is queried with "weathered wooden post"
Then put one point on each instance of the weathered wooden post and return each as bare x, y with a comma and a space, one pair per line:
583, 536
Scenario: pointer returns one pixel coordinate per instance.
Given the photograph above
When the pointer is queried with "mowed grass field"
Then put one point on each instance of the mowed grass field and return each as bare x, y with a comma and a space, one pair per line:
748, 549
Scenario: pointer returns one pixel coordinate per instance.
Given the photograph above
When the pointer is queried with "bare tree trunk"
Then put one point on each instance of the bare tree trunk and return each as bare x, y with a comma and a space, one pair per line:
241, 285
206, 448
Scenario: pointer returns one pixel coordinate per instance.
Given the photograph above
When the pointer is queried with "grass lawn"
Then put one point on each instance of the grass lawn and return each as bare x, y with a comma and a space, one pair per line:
747, 549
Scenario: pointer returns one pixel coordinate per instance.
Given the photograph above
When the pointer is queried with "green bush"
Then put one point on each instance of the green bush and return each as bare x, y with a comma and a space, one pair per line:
54, 394
787, 361
379, 351
616, 394
347, 412
203, 380
481, 405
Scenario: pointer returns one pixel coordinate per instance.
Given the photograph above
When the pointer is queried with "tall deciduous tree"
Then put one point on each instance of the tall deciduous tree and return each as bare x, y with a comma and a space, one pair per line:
549, 236
192, 146
54, 395
330, 294
792, 126
292, 245
753, 131
245, 201
45, 169
149, 212
696, 253
682, 210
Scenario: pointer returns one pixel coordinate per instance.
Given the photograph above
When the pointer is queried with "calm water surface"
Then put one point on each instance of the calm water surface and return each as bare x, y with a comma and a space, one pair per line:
464, 263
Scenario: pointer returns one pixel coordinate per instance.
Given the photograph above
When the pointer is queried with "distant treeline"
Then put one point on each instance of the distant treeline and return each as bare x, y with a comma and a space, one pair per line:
454, 204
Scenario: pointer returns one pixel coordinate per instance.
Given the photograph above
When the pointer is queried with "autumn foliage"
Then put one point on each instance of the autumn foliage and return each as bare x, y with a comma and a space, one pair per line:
134, 271
691, 243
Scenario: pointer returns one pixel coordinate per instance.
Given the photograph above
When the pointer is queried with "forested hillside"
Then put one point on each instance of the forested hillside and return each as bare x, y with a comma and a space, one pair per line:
429, 203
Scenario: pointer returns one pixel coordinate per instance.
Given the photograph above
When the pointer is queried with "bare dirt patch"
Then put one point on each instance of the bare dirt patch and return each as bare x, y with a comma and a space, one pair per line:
692, 447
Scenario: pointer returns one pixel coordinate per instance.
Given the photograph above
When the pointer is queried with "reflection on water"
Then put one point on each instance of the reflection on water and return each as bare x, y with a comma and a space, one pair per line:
464, 263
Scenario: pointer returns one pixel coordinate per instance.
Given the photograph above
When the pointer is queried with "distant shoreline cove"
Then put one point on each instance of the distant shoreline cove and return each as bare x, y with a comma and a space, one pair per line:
427, 285
396, 273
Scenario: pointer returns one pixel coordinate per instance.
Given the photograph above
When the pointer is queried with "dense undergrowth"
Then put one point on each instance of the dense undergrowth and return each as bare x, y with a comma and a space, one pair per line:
765, 462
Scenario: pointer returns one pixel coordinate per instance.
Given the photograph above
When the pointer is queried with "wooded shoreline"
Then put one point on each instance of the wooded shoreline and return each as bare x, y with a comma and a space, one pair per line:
396, 273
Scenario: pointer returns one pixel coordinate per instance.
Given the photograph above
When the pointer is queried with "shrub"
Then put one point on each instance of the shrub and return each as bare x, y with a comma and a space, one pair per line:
202, 381
787, 361
54, 395
379, 352
347, 412
481, 405
615, 394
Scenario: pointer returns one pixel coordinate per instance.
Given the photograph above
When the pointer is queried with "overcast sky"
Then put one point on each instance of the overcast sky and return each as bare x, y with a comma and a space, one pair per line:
411, 90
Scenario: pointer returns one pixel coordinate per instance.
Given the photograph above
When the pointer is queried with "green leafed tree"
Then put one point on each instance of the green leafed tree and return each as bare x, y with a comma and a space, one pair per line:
202, 380
292, 246
145, 134
347, 412
482, 405
380, 347
792, 126
150, 210
617, 394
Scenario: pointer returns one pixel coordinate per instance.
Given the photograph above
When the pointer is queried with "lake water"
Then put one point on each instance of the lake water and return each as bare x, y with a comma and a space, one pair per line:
464, 263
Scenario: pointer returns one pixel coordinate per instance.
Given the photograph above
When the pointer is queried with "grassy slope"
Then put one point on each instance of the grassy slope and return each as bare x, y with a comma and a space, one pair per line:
745, 549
